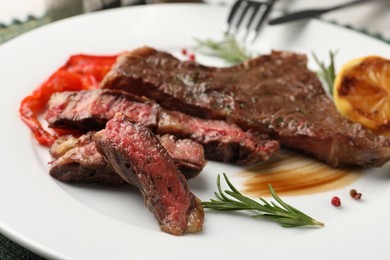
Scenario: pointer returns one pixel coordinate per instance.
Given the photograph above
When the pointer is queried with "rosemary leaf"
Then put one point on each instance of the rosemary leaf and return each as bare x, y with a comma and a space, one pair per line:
279, 211
228, 49
327, 73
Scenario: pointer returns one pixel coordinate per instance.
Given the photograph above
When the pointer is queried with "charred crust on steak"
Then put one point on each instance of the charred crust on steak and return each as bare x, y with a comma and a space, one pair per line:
185, 84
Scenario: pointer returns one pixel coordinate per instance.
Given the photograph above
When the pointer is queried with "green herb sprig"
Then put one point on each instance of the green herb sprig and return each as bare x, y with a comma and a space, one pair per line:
228, 49
284, 214
327, 73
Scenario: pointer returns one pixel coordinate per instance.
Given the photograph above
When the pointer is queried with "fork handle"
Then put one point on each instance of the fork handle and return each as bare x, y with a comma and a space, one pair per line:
311, 13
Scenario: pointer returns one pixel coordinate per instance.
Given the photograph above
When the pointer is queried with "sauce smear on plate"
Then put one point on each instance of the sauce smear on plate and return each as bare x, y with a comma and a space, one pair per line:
290, 173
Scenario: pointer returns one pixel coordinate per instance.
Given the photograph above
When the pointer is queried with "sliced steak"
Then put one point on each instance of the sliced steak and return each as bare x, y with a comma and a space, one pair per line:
90, 110
222, 141
274, 94
188, 155
77, 159
136, 154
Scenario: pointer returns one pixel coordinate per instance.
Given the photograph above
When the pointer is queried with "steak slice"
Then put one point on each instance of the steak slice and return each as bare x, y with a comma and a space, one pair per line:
136, 154
188, 155
90, 110
221, 141
274, 94
77, 159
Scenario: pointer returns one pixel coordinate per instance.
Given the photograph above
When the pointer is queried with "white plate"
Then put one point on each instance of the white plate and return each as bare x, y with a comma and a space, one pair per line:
82, 222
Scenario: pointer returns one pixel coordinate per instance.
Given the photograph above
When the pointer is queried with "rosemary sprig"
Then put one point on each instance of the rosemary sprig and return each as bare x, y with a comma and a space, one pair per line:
327, 73
228, 49
284, 214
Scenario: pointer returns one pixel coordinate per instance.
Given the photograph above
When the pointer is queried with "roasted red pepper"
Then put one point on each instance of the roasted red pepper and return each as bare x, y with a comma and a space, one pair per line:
80, 72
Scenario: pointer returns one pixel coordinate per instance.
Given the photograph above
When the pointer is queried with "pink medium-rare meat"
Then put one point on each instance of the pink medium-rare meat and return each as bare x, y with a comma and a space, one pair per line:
136, 154
77, 159
188, 155
221, 141
90, 110
274, 94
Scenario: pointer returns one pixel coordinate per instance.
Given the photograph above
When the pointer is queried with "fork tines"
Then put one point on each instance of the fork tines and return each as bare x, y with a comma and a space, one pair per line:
250, 13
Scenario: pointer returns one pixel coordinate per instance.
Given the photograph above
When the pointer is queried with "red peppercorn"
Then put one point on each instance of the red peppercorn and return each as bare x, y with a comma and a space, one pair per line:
184, 51
191, 57
336, 201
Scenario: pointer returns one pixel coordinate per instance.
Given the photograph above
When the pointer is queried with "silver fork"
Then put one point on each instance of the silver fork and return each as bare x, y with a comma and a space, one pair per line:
250, 12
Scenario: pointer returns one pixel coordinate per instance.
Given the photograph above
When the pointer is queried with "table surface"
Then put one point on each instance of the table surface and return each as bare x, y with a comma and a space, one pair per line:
372, 18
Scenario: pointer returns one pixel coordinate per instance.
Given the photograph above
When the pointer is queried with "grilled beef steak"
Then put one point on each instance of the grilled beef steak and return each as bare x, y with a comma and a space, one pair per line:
182, 86
274, 94
137, 156
188, 155
90, 110
77, 159
222, 141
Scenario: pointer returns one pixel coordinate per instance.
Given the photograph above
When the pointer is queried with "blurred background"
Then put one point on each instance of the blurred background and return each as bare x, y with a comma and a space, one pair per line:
18, 16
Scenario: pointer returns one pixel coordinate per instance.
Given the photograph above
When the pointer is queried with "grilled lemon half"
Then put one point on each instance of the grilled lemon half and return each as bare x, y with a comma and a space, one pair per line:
362, 92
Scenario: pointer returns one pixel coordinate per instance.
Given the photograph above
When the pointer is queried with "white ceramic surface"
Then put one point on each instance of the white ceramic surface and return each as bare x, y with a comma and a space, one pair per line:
65, 221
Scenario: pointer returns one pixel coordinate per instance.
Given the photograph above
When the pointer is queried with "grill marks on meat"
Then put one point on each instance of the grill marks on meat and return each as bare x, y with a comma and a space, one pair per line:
77, 159
221, 141
130, 149
90, 110
274, 94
